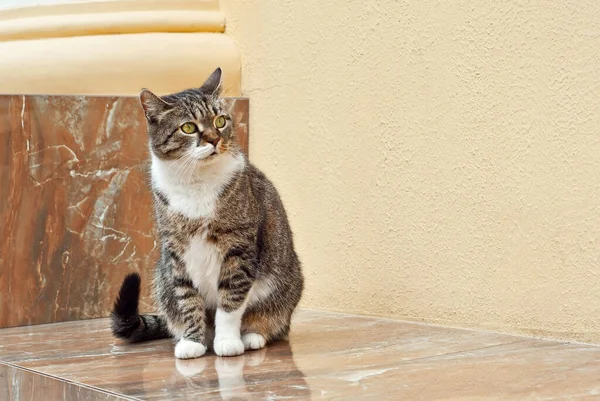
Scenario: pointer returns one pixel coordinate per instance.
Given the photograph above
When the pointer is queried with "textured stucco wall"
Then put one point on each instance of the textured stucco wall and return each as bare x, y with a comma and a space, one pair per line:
440, 160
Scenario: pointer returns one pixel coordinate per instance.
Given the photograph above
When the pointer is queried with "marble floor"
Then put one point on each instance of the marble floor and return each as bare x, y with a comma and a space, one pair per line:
330, 356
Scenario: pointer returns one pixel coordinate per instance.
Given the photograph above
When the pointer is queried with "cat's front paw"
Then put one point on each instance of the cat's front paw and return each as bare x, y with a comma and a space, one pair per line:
229, 346
186, 349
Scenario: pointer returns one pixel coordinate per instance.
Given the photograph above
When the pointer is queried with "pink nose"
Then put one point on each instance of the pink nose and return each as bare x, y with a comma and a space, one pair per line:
213, 140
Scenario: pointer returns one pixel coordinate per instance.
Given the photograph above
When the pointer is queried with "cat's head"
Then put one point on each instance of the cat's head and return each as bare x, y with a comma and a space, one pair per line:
193, 124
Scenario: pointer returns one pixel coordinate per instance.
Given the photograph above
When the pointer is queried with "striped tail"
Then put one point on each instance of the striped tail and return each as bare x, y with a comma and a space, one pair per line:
127, 323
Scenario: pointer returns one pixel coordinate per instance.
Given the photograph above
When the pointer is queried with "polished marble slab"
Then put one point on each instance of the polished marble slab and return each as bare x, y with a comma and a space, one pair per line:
329, 356
22, 385
75, 215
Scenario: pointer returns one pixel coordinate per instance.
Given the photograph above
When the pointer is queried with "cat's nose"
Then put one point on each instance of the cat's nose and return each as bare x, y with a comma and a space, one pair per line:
213, 140
211, 137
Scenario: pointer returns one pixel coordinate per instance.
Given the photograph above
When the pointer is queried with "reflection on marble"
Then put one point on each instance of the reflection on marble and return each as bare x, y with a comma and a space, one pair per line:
20, 385
75, 215
329, 356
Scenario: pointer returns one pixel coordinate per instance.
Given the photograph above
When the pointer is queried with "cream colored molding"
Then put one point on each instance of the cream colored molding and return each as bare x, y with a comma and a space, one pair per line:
115, 47
109, 17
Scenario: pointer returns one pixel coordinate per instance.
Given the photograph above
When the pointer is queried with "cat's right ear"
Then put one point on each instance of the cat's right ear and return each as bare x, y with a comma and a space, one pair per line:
153, 105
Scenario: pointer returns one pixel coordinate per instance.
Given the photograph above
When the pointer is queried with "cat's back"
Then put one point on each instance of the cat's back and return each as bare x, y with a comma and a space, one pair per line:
264, 190
275, 234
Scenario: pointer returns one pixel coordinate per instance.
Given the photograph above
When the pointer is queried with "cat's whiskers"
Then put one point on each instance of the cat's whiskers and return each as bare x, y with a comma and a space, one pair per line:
178, 163
191, 170
181, 163
186, 174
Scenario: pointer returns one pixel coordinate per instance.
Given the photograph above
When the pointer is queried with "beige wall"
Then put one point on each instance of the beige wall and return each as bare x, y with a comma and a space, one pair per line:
440, 160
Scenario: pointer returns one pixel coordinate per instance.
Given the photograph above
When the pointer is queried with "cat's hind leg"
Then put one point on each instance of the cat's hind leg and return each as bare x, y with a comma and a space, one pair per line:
262, 327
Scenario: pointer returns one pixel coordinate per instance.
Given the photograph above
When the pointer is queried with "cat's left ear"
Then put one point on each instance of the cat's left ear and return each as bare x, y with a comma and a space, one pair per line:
212, 84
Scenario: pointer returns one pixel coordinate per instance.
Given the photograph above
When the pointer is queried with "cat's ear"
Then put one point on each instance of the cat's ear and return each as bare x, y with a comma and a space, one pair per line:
213, 83
152, 104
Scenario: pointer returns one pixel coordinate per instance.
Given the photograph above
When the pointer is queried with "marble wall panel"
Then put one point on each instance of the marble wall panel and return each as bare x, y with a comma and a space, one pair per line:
75, 213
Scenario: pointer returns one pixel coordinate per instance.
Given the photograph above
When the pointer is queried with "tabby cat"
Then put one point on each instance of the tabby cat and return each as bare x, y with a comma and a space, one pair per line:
227, 256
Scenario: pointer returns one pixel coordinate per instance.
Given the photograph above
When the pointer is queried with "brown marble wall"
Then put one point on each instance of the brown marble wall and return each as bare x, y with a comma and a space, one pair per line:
75, 213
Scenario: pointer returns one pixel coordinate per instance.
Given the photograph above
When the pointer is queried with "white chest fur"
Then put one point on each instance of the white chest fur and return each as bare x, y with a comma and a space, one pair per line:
195, 196
203, 264
194, 193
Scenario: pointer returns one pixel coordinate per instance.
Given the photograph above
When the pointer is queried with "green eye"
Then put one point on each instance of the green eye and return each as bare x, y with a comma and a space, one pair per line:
220, 121
189, 128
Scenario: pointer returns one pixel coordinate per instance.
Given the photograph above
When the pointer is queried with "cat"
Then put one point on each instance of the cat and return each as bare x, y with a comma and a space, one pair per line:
227, 256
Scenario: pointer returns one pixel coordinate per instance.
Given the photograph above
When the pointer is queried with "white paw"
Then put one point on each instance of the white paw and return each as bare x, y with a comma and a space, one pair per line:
253, 341
186, 349
229, 346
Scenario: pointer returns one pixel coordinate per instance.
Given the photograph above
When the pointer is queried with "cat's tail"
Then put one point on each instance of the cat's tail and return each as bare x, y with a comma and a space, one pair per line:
127, 323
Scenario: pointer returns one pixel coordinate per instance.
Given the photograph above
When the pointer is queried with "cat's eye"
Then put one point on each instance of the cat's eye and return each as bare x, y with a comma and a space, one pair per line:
188, 128
220, 121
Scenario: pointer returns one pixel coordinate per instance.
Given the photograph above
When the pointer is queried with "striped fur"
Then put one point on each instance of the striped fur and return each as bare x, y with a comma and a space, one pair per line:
227, 254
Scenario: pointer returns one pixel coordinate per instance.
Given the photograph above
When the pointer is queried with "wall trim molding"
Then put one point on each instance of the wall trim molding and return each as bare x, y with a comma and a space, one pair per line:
115, 47
110, 17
